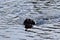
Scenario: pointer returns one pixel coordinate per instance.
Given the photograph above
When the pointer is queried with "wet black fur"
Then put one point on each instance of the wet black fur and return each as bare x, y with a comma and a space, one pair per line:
28, 23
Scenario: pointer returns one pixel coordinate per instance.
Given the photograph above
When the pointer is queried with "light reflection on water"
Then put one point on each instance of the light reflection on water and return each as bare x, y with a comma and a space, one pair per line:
17, 32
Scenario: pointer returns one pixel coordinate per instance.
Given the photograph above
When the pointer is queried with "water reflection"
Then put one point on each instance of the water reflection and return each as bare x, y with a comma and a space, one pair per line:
44, 32
18, 32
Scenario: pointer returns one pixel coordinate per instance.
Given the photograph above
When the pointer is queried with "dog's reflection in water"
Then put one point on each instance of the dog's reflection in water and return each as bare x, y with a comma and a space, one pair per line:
28, 26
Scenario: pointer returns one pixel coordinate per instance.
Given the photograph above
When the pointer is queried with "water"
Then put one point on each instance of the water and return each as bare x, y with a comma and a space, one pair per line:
46, 14
17, 32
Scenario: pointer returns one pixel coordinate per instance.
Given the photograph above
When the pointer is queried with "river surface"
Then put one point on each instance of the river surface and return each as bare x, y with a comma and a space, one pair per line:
46, 14
17, 32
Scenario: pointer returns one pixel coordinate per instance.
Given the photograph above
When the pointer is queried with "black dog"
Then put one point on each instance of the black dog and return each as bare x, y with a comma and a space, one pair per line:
28, 23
